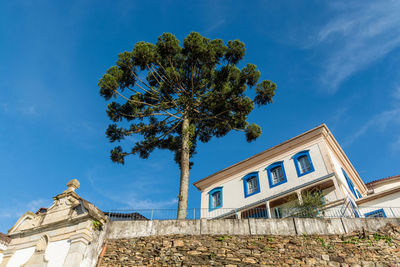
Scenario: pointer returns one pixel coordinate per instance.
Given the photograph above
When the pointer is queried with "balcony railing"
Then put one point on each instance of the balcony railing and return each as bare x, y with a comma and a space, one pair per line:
342, 211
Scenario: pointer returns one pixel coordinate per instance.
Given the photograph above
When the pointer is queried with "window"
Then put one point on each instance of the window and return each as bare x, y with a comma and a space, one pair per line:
251, 184
375, 213
303, 163
276, 174
215, 198
350, 184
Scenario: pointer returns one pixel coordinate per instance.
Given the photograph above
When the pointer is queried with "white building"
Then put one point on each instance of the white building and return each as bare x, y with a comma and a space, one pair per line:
264, 184
4, 241
66, 234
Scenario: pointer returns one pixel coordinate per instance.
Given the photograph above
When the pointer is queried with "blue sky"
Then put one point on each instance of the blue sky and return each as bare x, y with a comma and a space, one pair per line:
337, 64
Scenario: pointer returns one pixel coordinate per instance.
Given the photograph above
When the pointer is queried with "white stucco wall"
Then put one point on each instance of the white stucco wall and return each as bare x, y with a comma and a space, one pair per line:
20, 257
390, 203
382, 186
233, 191
56, 253
2, 248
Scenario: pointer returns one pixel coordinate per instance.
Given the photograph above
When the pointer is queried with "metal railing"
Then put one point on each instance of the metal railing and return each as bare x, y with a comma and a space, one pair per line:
342, 211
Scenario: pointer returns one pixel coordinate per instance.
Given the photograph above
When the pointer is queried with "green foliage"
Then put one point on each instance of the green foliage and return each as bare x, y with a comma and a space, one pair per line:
388, 239
157, 86
353, 240
224, 238
97, 225
322, 240
312, 202
212, 255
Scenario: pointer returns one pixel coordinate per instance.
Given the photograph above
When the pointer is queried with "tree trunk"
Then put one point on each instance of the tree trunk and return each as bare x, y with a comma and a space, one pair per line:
184, 185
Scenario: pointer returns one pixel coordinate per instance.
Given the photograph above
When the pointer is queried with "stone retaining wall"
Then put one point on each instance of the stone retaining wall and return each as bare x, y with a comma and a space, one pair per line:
361, 248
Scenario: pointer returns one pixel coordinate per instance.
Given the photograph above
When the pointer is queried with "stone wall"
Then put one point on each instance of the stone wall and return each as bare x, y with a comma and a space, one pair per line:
360, 248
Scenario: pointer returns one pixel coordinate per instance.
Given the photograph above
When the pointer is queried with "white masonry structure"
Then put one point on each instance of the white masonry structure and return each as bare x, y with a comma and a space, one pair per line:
266, 185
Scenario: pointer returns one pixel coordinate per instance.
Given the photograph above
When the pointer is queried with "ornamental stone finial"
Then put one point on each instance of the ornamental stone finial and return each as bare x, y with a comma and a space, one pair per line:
73, 184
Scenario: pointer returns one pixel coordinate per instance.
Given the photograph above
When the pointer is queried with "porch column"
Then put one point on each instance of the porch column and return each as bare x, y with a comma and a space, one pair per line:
238, 214
267, 209
7, 254
338, 191
299, 197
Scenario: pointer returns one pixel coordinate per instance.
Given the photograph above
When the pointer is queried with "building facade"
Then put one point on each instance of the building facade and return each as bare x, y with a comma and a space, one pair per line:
267, 184
65, 234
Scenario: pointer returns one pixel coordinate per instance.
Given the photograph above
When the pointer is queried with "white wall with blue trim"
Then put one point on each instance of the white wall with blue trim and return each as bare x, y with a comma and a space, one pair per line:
233, 193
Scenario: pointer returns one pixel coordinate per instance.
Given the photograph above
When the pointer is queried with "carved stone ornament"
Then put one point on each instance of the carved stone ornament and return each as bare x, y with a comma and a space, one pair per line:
72, 185
42, 244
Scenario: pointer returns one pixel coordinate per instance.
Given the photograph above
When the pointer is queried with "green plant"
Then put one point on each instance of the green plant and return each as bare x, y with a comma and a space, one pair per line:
97, 225
387, 239
270, 239
223, 238
353, 240
320, 239
212, 255
310, 206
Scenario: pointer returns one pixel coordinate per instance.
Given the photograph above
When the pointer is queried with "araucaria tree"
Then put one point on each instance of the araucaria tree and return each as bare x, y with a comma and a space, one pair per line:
174, 96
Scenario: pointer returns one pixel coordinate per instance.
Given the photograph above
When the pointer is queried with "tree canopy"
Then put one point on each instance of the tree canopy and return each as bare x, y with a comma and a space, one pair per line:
174, 96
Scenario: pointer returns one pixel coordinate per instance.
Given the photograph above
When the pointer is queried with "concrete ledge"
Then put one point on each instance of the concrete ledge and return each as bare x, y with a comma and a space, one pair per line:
272, 226
370, 224
176, 227
318, 226
374, 224
287, 226
224, 227
129, 229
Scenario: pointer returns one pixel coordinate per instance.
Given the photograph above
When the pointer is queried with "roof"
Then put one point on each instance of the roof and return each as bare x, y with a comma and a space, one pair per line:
4, 238
383, 179
128, 216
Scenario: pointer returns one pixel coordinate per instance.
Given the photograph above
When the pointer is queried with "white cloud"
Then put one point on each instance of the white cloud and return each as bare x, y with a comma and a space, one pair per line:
134, 199
357, 37
29, 110
396, 93
214, 26
396, 144
378, 122
135, 203
19, 208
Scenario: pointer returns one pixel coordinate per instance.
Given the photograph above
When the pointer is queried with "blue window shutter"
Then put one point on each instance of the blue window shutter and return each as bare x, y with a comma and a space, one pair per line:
210, 198
270, 168
350, 184
245, 184
303, 155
